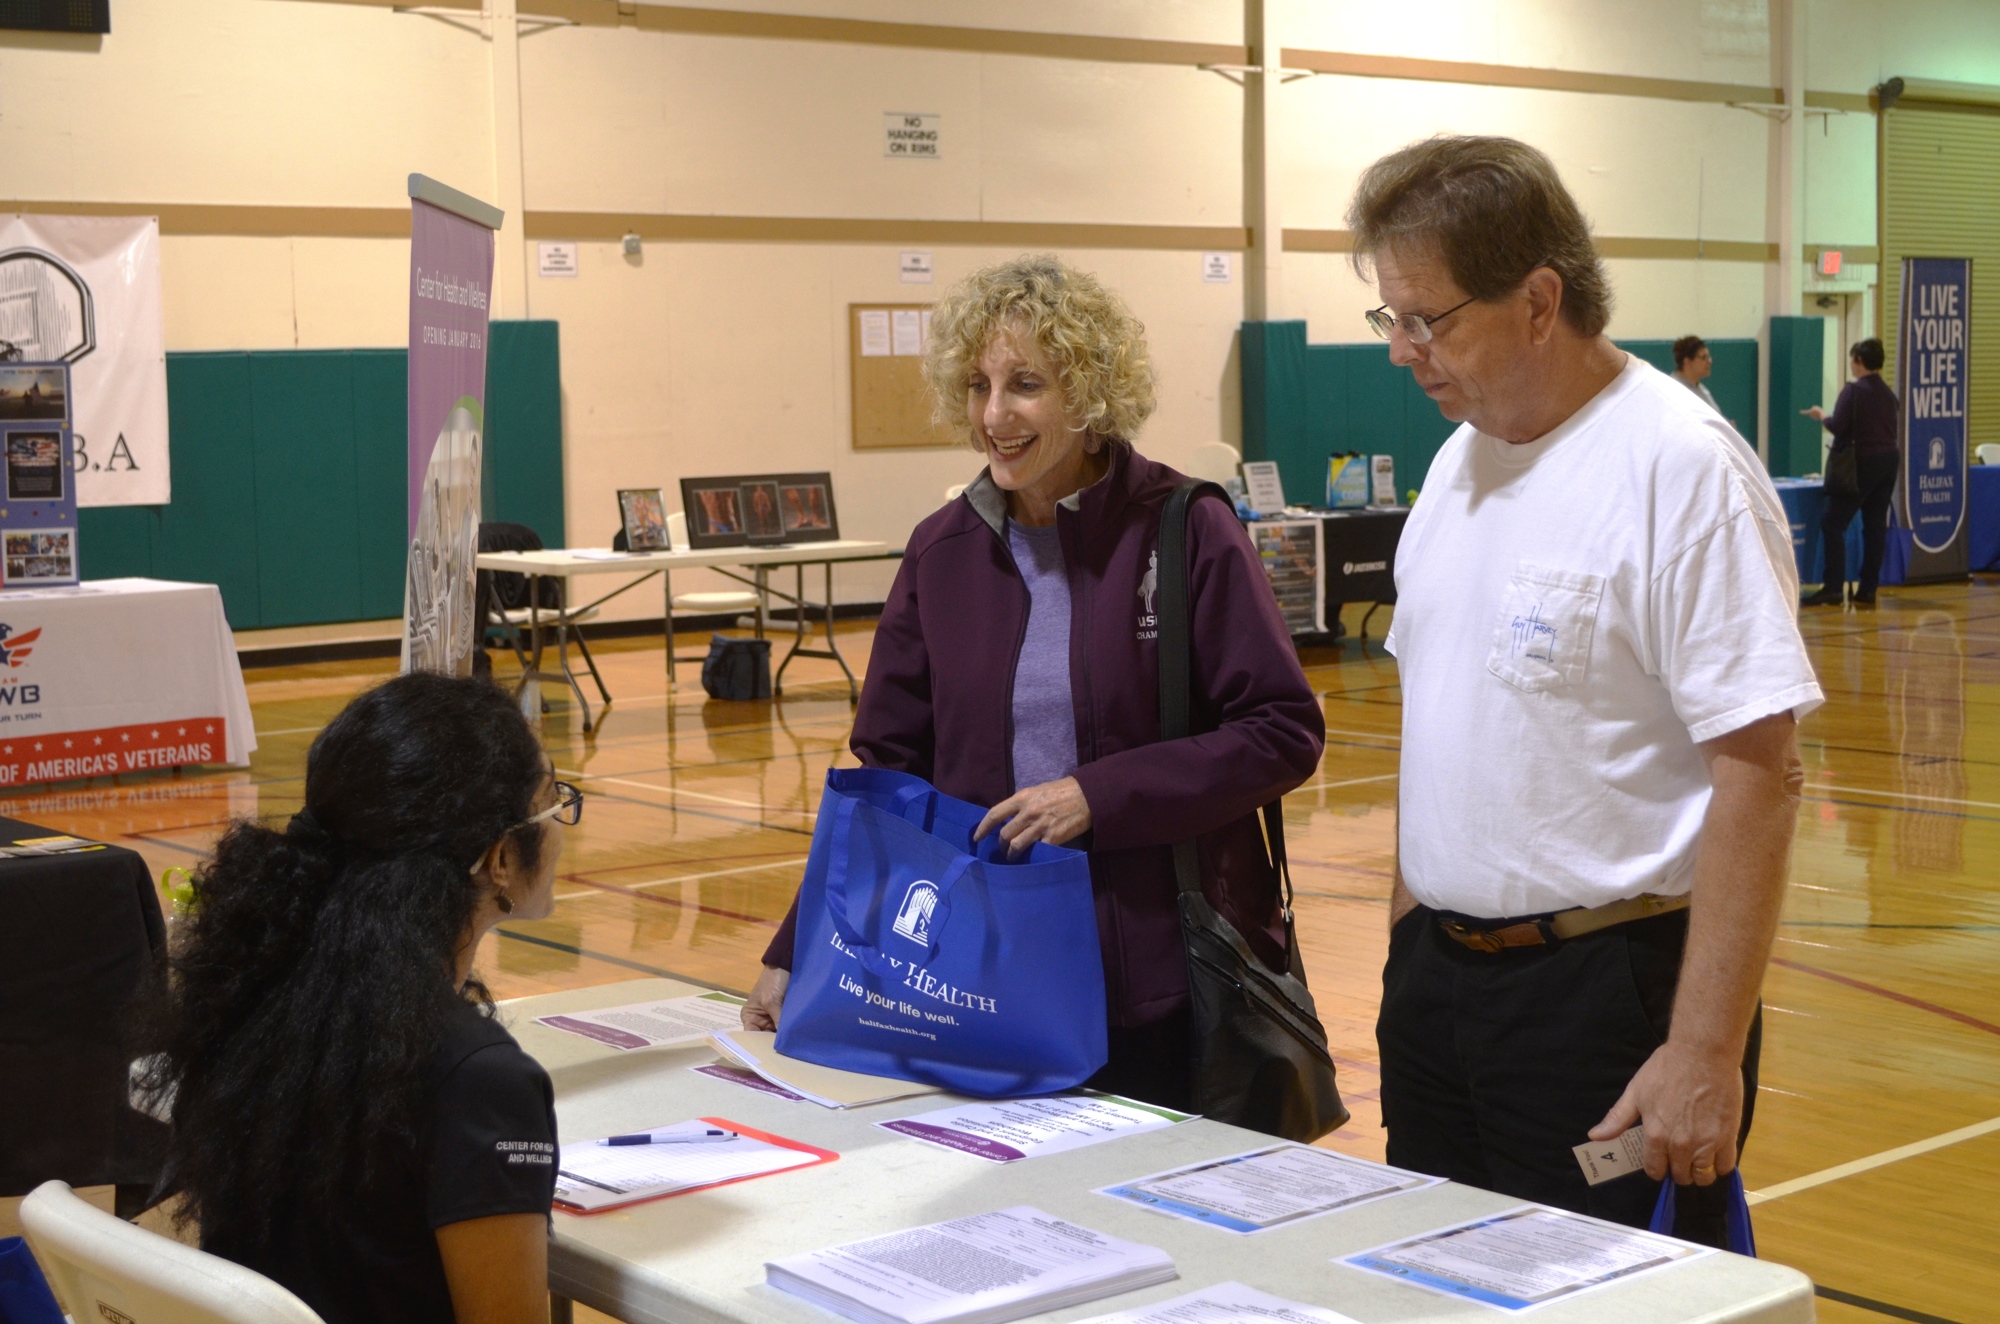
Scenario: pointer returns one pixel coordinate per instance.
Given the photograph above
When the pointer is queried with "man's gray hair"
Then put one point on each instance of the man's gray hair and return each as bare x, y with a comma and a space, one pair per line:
1493, 209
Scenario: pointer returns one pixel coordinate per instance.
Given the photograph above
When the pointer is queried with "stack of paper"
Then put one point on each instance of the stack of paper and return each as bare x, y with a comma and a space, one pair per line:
978, 1270
757, 1051
32, 846
1266, 1188
652, 1024
1025, 1128
1226, 1303
667, 1160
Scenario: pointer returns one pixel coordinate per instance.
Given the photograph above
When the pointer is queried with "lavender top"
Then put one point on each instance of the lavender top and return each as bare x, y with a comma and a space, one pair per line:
1044, 713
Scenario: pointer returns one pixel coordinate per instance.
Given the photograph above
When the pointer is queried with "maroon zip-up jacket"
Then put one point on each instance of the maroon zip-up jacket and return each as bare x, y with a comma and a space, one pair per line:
938, 703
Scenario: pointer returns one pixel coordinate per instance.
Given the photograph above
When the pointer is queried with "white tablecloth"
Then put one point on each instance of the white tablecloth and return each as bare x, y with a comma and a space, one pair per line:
118, 675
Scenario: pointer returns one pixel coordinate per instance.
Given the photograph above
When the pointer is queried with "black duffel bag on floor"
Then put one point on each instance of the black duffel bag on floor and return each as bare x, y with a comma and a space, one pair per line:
1260, 1057
737, 668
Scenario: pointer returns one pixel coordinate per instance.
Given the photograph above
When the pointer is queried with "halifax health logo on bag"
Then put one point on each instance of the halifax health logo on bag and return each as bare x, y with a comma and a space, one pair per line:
913, 919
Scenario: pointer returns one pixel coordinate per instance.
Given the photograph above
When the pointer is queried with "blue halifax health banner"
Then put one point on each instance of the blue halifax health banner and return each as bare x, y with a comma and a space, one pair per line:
1933, 333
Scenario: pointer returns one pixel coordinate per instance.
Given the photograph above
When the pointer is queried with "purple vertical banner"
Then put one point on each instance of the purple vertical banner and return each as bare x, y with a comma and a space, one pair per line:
451, 276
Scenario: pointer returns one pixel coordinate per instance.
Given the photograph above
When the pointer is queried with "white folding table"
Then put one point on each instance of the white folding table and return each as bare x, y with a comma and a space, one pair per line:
699, 1258
566, 563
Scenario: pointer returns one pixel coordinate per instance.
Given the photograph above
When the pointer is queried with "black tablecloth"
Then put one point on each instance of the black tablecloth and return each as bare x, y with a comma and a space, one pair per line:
1360, 549
79, 935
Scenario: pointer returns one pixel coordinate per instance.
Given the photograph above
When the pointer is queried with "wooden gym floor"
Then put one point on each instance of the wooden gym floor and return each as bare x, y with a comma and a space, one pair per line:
1876, 1151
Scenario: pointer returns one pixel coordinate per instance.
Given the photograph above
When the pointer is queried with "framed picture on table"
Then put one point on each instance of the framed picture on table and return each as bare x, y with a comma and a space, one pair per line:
643, 512
806, 501
759, 510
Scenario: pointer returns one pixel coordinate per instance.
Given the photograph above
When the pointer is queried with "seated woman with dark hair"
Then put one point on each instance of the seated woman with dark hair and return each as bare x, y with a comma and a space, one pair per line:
348, 1118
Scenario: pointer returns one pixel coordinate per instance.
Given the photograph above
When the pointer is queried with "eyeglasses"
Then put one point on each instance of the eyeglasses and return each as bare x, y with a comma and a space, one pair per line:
567, 810
1415, 325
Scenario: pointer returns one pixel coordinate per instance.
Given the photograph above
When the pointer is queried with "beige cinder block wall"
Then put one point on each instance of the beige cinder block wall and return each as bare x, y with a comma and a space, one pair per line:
726, 355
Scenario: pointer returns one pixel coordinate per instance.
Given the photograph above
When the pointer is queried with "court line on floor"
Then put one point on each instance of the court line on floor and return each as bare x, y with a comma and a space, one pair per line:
594, 888
1889, 993
1781, 1189
678, 790
619, 960
1879, 1307
1351, 781
1900, 795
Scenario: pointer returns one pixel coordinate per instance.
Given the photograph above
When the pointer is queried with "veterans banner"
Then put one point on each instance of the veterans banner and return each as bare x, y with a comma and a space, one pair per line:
451, 275
85, 291
1933, 334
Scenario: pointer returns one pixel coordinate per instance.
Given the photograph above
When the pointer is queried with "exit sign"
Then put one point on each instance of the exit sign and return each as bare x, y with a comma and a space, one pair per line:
1829, 262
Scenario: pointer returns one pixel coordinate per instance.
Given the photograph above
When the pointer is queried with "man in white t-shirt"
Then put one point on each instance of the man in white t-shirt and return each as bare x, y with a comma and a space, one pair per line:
1601, 669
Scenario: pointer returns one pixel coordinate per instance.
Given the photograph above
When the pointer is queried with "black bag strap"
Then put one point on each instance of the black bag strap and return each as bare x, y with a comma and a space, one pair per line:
1176, 666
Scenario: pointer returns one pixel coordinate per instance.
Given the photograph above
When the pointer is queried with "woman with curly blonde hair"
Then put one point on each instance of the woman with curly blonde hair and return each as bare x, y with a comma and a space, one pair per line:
1016, 666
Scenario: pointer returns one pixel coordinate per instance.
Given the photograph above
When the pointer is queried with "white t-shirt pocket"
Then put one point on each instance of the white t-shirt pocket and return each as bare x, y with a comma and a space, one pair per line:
1541, 638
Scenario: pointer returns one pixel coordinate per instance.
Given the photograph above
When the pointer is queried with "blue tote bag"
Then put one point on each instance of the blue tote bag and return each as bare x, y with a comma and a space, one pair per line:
924, 956
1736, 1216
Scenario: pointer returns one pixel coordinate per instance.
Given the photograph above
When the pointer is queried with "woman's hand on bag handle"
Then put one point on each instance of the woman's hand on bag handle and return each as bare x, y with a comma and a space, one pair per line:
767, 999
1054, 812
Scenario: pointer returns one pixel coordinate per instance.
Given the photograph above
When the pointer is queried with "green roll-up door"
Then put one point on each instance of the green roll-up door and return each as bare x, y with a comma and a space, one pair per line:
1941, 198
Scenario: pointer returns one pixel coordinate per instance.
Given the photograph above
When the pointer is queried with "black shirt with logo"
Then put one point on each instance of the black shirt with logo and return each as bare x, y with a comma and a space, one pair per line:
487, 1147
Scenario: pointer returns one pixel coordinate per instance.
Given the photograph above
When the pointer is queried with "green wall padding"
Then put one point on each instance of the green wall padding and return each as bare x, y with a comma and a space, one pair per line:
1797, 344
290, 476
1303, 402
524, 460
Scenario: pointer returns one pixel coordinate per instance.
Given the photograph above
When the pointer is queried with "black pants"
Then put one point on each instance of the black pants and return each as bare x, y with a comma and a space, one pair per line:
1151, 1063
1495, 1063
1878, 485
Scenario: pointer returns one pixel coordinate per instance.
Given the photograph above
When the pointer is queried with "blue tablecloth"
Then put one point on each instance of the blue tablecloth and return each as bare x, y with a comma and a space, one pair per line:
1805, 500
1983, 517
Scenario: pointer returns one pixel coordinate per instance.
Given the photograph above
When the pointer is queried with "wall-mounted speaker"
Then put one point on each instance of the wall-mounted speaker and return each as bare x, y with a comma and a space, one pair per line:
56, 15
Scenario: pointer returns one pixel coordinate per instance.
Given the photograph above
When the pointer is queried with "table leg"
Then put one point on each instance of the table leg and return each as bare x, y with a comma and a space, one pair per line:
667, 615
561, 1309
832, 646
562, 656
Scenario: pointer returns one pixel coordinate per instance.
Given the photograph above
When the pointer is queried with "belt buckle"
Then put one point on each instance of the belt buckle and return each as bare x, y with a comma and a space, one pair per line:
1479, 940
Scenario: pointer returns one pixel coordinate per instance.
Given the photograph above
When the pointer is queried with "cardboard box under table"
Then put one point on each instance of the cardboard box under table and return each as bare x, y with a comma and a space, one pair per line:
699, 1258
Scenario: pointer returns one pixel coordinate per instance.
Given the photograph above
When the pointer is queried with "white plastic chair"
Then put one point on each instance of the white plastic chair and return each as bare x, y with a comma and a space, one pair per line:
1989, 453
718, 603
1216, 461
103, 1268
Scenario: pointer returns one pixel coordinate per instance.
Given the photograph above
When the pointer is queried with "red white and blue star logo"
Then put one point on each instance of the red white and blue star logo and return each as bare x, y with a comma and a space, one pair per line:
14, 648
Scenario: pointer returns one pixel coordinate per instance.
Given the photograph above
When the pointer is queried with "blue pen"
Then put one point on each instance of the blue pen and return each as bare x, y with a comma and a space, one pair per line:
707, 1137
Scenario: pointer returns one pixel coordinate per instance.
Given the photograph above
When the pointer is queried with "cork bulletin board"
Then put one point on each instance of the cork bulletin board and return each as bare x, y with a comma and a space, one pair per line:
892, 405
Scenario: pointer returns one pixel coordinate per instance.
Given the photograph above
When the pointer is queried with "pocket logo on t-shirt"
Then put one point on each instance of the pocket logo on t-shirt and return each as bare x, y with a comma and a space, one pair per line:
1543, 632
538, 1153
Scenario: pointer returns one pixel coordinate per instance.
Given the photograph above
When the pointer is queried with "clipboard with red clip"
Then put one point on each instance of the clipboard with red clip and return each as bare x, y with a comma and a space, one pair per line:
593, 1178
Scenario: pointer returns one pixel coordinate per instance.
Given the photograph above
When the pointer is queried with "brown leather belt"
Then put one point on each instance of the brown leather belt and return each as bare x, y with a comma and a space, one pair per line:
1562, 925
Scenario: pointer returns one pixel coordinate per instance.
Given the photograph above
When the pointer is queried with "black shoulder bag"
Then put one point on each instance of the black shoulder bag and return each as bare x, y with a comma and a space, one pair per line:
1260, 1058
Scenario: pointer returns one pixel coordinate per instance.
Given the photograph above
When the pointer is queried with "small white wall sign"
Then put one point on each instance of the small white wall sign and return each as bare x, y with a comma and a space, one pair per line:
556, 260
910, 137
915, 268
1216, 268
